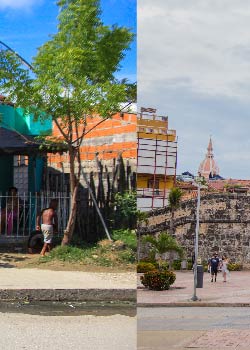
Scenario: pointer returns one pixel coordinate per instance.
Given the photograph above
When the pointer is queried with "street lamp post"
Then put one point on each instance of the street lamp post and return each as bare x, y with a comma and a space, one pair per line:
194, 297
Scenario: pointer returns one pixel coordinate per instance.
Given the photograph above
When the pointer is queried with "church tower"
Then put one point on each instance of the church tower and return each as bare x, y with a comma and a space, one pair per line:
208, 167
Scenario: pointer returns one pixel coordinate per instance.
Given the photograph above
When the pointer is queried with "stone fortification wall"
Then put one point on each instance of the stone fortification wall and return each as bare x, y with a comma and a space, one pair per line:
224, 226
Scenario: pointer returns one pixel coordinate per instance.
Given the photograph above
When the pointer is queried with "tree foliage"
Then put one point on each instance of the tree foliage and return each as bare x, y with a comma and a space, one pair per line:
174, 198
126, 212
174, 201
73, 77
163, 243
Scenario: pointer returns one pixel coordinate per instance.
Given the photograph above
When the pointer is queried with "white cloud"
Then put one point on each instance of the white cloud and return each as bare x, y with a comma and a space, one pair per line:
194, 66
184, 36
18, 4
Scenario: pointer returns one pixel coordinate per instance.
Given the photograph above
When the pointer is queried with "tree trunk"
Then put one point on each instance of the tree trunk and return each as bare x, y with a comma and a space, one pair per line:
74, 182
171, 253
68, 232
171, 229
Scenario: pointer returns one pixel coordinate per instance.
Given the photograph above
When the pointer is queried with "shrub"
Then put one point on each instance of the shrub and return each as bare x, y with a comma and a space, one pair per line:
143, 267
176, 265
150, 258
164, 266
189, 264
158, 280
234, 267
127, 256
126, 210
127, 236
205, 265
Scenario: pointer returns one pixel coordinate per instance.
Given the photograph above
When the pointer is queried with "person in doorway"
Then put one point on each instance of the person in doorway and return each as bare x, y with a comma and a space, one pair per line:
214, 264
49, 225
9, 213
224, 268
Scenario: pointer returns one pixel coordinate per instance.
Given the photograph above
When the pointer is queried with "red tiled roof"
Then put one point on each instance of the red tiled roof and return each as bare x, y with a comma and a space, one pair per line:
219, 185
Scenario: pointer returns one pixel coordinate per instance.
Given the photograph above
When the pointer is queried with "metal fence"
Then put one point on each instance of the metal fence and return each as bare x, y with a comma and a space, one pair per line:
18, 213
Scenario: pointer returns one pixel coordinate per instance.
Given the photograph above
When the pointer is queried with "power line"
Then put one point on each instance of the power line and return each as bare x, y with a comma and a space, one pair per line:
20, 57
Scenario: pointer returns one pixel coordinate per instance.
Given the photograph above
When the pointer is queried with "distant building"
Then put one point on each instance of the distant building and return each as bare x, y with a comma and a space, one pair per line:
186, 177
208, 167
230, 185
156, 160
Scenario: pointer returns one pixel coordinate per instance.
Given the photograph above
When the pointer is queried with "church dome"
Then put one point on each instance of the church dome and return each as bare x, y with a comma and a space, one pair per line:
208, 167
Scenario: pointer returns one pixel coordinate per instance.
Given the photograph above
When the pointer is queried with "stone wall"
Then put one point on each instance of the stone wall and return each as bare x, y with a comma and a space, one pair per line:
224, 226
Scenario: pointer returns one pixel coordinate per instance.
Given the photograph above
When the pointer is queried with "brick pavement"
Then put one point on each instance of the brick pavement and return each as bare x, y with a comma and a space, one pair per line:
229, 339
222, 339
236, 291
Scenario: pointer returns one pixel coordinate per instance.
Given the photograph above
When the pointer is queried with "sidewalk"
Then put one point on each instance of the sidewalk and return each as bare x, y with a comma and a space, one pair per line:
37, 284
235, 292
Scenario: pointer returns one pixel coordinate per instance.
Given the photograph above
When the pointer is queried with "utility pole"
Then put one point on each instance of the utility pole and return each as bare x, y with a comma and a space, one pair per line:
196, 241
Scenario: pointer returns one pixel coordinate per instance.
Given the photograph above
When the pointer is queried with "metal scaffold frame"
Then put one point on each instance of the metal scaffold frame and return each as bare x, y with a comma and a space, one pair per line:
156, 156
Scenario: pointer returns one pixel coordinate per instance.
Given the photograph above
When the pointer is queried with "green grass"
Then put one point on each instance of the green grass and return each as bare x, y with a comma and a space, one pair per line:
104, 253
126, 236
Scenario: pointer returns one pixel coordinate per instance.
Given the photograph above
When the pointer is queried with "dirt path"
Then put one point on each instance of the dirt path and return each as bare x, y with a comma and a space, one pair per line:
20, 260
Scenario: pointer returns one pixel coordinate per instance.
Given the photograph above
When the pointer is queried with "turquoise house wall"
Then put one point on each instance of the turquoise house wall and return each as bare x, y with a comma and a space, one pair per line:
7, 120
12, 118
15, 119
7, 117
36, 165
33, 127
35, 173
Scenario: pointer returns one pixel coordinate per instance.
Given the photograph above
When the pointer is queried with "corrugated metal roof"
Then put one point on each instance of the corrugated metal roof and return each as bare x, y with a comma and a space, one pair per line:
12, 142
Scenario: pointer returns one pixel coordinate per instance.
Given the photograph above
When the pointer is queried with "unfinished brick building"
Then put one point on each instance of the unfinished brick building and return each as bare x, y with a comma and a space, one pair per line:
106, 145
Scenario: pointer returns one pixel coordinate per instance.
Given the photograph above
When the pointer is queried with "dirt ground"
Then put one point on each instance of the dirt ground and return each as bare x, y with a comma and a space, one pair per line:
20, 260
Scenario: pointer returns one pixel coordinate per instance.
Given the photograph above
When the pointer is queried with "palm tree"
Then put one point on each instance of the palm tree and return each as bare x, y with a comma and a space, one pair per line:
162, 244
174, 200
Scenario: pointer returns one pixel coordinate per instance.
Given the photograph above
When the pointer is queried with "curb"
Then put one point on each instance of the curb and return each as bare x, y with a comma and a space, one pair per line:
97, 295
192, 304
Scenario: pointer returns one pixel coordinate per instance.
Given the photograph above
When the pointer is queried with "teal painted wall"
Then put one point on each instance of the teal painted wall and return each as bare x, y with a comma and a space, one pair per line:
35, 173
7, 117
12, 118
21, 123
34, 127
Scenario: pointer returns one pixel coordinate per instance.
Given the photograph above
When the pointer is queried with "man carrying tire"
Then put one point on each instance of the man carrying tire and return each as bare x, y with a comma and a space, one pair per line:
49, 224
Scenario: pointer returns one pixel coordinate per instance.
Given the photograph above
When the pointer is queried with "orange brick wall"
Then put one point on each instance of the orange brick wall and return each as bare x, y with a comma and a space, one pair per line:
111, 138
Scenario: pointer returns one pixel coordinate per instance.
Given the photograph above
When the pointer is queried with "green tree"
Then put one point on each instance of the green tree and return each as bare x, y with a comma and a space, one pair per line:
72, 80
162, 244
174, 201
126, 212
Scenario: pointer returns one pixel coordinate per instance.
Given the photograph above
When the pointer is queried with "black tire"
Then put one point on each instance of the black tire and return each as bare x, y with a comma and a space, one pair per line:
35, 241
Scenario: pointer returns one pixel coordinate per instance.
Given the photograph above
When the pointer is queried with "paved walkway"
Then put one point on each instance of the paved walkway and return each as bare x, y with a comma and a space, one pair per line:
37, 284
12, 278
236, 291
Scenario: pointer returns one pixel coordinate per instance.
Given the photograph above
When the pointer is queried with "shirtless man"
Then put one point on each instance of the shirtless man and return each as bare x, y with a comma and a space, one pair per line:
49, 224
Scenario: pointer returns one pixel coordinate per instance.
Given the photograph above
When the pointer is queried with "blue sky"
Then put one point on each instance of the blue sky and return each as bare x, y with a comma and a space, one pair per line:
194, 66
26, 24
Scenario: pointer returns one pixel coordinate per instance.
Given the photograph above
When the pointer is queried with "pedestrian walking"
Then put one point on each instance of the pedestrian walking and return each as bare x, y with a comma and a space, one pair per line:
49, 225
224, 268
214, 264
